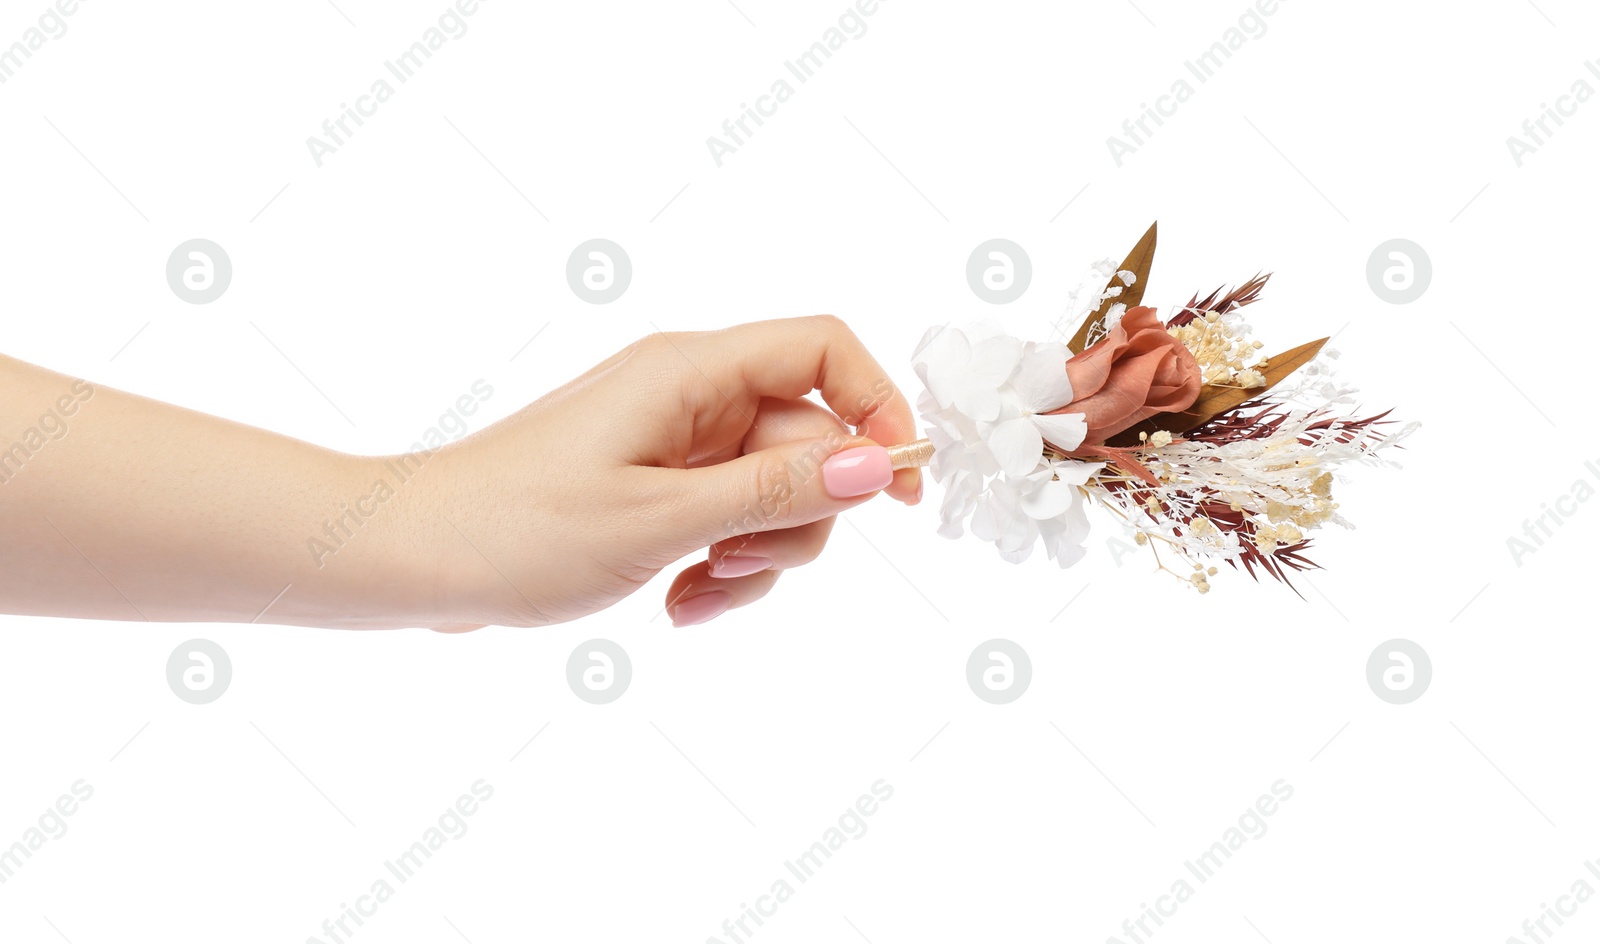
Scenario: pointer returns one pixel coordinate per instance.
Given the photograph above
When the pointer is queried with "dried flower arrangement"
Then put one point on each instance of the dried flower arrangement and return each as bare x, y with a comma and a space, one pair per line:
1180, 426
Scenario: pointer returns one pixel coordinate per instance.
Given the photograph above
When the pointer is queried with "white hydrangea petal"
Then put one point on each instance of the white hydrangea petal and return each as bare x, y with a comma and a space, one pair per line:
1064, 430
1064, 536
1048, 498
1013, 532
994, 359
929, 338
997, 518
1019, 535
1078, 473
953, 511
983, 523
956, 505
1016, 445
1041, 380
942, 362
1068, 554
981, 403
1017, 556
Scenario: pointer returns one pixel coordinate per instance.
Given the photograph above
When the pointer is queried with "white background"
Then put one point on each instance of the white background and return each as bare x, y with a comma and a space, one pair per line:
426, 252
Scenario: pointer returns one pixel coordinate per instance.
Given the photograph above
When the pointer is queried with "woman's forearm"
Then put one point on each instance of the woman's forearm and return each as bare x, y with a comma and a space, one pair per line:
120, 507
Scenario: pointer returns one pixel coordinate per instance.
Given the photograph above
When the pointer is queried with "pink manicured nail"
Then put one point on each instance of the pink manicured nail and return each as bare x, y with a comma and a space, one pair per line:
699, 609
857, 471
738, 565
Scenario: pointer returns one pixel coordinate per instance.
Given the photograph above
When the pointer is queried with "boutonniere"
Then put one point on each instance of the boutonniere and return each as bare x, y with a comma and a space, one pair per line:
1206, 448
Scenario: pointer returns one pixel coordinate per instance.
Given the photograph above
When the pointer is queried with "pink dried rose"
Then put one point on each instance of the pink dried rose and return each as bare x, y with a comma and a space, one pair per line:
1135, 372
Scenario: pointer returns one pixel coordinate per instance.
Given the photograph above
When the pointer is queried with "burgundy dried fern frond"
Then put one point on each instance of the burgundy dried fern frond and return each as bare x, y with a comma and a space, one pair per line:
1260, 418
1276, 564
1221, 301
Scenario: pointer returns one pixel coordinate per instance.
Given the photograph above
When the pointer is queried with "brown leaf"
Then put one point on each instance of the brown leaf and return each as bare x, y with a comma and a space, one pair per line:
1138, 262
1216, 399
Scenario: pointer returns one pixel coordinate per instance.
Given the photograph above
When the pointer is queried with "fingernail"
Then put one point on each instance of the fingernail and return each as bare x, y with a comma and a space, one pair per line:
857, 471
918, 497
701, 608
739, 565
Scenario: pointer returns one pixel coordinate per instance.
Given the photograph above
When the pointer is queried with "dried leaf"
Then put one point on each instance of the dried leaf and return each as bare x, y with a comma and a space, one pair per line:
1216, 399
1137, 262
1129, 463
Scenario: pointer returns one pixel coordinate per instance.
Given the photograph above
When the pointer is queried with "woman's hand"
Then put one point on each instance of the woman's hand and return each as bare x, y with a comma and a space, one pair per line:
119, 507
679, 442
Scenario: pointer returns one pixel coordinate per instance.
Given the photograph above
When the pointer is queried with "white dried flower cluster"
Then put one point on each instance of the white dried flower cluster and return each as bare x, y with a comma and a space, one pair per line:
1103, 280
1281, 484
985, 401
1223, 349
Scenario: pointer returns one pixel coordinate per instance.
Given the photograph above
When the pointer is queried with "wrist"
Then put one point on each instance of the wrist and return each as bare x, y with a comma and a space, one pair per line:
374, 551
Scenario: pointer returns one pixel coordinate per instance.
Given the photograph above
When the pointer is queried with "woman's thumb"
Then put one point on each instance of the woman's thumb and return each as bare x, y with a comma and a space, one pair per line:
782, 486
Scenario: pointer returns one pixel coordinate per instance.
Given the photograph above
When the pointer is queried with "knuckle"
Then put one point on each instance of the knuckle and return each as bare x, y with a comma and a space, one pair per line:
833, 324
776, 490
654, 345
806, 463
879, 396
